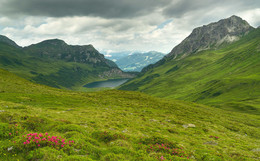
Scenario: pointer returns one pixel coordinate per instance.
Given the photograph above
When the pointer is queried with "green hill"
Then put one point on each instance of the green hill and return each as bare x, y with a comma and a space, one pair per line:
56, 64
117, 125
227, 76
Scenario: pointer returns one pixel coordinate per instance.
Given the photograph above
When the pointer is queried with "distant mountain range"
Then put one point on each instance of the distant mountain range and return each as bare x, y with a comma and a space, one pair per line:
217, 64
57, 64
115, 56
137, 61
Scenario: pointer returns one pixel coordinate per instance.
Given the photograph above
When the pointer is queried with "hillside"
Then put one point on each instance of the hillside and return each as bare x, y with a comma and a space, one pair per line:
116, 125
57, 64
226, 77
8, 41
137, 61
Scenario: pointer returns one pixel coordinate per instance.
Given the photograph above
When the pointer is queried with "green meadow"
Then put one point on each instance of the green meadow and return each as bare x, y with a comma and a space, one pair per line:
117, 125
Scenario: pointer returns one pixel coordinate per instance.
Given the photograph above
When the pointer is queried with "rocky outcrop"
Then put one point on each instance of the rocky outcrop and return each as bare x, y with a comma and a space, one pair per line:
211, 36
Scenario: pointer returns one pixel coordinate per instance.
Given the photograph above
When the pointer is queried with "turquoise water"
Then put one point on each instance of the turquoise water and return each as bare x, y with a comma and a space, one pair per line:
107, 83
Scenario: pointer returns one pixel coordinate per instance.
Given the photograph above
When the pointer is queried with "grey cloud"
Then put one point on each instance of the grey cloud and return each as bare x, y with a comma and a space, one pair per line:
182, 7
62, 8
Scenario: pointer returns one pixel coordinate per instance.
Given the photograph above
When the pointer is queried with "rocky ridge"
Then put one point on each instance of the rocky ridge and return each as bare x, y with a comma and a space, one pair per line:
212, 36
58, 49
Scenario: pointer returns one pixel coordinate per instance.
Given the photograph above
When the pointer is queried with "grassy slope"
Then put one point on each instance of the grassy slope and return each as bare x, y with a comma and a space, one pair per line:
46, 71
227, 78
119, 125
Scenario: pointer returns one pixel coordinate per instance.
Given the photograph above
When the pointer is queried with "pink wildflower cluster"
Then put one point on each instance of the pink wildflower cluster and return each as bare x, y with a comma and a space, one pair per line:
214, 137
162, 148
45, 140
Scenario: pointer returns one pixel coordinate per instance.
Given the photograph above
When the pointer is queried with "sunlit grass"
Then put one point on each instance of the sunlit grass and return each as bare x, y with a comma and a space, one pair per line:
118, 125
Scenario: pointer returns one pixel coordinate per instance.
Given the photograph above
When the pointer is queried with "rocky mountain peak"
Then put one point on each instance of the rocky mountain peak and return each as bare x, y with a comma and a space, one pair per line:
6, 40
211, 36
53, 42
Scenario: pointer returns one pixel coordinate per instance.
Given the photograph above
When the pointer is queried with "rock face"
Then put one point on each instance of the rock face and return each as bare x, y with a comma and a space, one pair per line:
115, 72
58, 49
212, 35
5, 39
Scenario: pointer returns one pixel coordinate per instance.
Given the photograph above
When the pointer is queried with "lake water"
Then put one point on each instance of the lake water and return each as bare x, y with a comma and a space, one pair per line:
107, 83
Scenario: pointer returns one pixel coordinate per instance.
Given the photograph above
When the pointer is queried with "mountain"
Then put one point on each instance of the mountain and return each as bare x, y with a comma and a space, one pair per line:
215, 72
58, 50
57, 64
211, 36
115, 56
117, 125
137, 61
8, 41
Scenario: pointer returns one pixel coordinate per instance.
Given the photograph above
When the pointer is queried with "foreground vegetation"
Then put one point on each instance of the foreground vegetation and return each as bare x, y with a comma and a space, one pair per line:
42, 123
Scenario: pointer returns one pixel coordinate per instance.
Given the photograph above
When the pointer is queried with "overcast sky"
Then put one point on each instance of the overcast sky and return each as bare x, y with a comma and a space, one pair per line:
117, 25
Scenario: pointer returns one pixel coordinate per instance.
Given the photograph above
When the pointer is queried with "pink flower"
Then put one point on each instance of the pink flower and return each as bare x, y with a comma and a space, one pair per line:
162, 158
62, 140
46, 133
24, 143
39, 145
40, 135
16, 125
10, 133
62, 145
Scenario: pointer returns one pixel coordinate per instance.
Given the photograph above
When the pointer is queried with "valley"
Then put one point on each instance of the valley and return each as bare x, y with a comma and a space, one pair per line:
69, 102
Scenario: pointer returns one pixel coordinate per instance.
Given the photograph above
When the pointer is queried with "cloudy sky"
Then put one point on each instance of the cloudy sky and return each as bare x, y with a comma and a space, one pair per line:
117, 25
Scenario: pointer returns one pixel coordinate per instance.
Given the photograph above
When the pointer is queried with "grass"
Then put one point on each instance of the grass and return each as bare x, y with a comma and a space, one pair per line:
227, 78
118, 125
